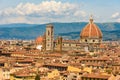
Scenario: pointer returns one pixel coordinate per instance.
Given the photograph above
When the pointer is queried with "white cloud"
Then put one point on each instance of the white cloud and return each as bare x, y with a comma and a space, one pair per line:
20, 19
116, 16
46, 9
80, 13
118, 20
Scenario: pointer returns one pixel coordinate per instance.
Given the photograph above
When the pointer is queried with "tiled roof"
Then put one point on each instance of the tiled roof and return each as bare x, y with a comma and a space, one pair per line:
96, 76
91, 30
39, 39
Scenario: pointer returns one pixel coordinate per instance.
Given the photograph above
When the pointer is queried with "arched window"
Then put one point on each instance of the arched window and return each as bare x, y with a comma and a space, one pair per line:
48, 32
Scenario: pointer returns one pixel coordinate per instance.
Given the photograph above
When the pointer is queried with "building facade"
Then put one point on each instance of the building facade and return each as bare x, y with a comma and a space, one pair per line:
90, 39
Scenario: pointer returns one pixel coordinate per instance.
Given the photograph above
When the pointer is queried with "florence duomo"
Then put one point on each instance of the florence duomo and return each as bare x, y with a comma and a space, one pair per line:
90, 39
59, 40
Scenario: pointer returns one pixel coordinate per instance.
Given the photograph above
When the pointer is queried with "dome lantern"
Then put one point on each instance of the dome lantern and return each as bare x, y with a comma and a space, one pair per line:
91, 19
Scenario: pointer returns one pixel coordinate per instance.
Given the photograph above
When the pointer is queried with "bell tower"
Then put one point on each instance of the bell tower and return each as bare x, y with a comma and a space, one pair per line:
49, 37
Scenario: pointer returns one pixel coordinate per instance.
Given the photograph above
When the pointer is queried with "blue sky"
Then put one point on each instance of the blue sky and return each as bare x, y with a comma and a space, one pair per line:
45, 11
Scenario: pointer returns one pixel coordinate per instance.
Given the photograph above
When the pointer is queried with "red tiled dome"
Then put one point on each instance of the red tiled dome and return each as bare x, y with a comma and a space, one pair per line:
91, 30
39, 39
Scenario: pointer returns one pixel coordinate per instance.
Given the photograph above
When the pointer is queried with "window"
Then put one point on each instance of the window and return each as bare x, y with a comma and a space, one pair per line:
48, 32
85, 40
48, 40
99, 40
48, 45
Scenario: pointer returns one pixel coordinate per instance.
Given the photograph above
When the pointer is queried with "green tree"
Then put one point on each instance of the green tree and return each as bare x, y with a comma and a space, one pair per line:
37, 77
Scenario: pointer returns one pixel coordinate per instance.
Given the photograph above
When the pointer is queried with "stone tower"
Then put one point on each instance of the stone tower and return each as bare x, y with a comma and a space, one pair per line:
49, 37
59, 44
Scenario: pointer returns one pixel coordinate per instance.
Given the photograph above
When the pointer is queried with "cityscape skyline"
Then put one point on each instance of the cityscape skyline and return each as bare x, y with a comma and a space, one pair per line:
59, 40
45, 11
49, 58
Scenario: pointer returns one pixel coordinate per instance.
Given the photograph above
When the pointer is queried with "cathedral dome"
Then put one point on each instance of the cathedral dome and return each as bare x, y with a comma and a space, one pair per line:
91, 30
39, 39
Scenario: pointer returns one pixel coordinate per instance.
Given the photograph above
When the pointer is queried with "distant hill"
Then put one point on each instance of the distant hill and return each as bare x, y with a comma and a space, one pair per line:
107, 35
111, 31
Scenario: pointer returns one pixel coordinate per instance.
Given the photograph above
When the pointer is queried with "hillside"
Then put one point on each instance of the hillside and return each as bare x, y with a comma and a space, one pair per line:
111, 31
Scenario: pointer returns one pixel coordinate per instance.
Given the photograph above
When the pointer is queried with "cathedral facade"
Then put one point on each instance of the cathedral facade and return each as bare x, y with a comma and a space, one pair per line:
90, 39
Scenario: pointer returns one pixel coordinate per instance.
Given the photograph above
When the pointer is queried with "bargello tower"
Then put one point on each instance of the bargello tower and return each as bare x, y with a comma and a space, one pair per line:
49, 37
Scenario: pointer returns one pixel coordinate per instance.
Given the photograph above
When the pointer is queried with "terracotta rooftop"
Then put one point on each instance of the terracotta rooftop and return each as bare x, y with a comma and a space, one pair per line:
91, 30
56, 64
96, 76
39, 39
95, 59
